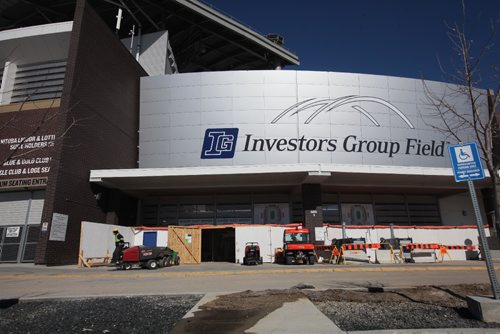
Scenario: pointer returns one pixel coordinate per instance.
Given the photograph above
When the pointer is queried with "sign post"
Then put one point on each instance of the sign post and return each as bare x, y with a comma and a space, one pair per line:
467, 166
58, 227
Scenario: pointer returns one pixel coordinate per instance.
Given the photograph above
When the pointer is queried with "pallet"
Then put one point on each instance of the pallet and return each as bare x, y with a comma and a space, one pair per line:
90, 262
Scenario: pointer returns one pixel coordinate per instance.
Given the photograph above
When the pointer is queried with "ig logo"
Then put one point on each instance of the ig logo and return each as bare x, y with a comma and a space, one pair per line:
219, 143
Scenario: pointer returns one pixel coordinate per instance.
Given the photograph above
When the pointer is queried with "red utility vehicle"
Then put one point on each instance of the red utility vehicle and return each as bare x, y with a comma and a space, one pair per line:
148, 257
252, 254
297, 246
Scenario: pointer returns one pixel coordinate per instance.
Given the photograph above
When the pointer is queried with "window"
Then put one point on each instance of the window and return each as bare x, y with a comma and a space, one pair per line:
234, 213
39, 81
234, 210
331, 213
167, 214
196, 211
297, 237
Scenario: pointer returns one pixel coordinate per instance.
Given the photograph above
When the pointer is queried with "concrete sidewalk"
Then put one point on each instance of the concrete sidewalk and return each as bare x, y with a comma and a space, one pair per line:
431, 331
495, 254
302, 316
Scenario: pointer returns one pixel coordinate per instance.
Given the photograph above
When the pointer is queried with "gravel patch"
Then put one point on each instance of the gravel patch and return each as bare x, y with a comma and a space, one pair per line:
148, 314
424, 307
351, 316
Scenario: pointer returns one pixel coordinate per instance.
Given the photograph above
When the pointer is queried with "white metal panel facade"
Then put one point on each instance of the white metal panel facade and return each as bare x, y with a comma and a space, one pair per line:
289, 117
20, 216
14, 207
36, 207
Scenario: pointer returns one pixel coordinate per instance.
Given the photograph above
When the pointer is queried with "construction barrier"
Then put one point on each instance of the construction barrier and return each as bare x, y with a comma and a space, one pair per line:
334, 255
443, 250
324, 248
401, 254
460, 247
355, 252
360, 246
422, 246
337, 256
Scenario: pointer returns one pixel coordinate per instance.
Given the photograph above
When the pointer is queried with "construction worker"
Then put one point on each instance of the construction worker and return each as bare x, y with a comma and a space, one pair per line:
119, 243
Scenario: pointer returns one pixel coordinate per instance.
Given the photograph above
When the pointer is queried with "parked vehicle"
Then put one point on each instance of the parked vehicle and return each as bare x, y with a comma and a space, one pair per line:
252, 254
297, 246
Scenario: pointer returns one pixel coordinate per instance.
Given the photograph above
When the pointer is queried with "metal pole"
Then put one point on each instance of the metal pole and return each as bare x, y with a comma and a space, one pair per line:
344, 235
138, 49
118, 20
132, 33
24, 233
485, 250
391, 227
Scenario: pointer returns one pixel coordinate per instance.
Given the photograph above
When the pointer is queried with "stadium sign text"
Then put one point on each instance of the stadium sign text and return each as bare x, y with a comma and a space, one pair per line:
221, 143
349, 144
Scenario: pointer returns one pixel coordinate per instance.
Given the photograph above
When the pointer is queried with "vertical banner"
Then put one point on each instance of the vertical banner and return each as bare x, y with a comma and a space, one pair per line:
277, 213
357, 214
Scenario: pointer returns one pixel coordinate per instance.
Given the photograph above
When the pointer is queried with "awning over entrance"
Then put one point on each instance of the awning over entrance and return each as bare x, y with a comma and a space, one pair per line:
151, 181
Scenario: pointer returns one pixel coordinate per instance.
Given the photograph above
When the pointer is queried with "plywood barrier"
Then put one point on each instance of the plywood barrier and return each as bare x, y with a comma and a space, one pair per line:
187, 242
98, 242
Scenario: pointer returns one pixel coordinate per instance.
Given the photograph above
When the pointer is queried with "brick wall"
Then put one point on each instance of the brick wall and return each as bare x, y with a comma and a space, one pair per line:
100, 112
313, 210
26, 145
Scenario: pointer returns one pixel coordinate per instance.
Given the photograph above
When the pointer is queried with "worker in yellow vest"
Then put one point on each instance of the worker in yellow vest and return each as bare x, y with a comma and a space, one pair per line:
119, 244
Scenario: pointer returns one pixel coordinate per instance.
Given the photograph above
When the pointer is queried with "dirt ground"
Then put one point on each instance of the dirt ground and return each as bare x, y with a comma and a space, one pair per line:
369, 309
236, 312
364, 309
447, 296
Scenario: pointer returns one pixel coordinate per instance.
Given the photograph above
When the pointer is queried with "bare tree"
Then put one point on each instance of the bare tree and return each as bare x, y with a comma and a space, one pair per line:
45, 120
462, 108
31, 133
48, 115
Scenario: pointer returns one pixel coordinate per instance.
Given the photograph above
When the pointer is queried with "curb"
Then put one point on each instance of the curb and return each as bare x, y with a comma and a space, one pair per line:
429, 331
205, 299
28, 299
146, 274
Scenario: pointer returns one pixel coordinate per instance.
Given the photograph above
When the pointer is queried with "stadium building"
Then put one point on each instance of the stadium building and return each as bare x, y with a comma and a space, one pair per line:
184, 116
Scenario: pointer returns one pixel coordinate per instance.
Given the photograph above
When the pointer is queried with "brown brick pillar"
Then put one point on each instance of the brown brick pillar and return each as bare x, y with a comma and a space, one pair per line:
313, 210
100, 93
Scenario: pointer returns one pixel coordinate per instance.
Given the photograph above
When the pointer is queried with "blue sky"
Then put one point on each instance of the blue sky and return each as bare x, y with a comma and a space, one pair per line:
390, 37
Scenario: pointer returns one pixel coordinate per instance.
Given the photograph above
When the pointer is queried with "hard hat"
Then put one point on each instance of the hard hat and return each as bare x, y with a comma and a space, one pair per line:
115, 229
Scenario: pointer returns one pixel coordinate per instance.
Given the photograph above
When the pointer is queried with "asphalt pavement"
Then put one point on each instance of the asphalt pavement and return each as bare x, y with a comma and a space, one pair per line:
31, 281
27, 285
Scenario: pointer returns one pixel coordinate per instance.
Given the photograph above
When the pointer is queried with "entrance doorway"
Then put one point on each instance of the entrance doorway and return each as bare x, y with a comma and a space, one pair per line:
217, 245
20, 216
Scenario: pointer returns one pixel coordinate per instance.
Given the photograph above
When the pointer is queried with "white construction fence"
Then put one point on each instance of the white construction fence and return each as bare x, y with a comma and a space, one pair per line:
97, 239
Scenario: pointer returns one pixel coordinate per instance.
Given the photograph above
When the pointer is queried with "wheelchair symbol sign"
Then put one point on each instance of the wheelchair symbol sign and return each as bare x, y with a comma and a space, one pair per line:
464, 154
466, 162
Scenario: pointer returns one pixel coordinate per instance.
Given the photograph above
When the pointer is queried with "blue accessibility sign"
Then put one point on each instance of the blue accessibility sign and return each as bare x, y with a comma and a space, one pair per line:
466, 162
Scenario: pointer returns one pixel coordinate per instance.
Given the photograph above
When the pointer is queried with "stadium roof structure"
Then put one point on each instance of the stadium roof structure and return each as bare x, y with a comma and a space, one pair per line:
202, 38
